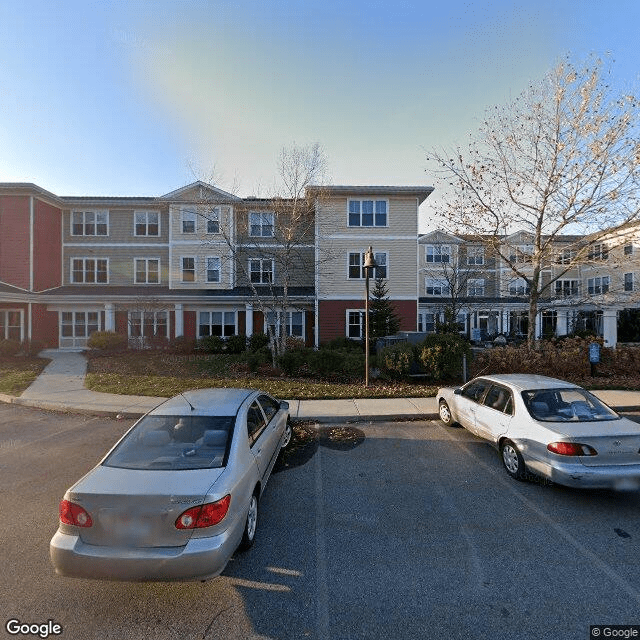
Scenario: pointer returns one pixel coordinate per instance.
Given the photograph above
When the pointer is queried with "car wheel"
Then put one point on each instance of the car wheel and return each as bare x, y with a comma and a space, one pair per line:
512, 460
445, 413
288, 433
251, 524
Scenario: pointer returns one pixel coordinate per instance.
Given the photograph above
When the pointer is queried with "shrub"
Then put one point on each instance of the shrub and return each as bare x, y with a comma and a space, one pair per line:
291, 362
107, 341
255, 359
258, 341
183, 345
32, 347
343, 344
396, 359
236, 344
211, 344
441, 355
9, 347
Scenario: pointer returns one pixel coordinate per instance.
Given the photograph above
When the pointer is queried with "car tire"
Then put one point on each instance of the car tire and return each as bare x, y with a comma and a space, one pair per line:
288, 434
445, 414
251, 524
512, 460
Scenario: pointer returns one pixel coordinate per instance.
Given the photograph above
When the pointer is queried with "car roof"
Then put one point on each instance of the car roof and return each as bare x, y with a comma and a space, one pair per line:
205, 402
525, 381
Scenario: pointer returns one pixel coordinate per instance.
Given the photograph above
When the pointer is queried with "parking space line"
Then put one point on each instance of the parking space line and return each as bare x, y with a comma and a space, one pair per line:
322, 587
559, 529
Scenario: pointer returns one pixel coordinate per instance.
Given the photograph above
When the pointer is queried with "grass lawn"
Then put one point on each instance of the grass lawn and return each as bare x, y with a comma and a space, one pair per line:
161, 374
16, 374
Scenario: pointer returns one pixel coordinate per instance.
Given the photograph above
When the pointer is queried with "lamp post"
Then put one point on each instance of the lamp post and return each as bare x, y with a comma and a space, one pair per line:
368, 266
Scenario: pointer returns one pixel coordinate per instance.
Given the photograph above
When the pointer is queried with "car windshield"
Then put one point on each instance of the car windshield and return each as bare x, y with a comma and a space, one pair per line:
174, 442
566, 405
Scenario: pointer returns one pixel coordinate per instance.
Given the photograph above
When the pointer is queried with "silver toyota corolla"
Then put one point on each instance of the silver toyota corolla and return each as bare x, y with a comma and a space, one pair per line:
178, 494
549, 428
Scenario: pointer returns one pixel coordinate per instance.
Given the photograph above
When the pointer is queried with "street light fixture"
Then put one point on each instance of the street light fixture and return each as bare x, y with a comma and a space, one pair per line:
368, 266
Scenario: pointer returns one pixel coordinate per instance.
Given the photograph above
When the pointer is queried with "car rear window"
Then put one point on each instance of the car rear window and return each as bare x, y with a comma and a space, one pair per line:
566, 405
174, 442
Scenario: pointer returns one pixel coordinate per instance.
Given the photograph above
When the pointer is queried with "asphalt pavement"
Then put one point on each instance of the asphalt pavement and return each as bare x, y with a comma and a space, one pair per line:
60, 387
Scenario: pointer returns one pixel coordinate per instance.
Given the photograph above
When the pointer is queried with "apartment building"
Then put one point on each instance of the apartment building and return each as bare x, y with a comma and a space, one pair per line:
590, 282
199, 261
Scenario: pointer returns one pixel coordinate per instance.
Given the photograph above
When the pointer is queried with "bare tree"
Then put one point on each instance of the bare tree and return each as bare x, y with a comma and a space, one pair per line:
562, 158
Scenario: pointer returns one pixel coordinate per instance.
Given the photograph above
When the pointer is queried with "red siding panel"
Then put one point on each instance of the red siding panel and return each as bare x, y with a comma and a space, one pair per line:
14, 240
47, 228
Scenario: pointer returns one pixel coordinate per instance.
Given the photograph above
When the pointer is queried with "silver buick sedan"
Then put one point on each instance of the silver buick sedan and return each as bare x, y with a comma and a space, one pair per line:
178, 494
548, 428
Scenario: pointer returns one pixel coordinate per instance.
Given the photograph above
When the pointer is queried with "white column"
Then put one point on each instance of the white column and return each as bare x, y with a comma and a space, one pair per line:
562, 324
610, 327
179, 320
538, 328
249, 320
109, 317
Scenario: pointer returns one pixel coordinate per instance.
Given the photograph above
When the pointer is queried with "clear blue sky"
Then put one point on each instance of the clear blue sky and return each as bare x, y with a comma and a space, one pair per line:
109, 97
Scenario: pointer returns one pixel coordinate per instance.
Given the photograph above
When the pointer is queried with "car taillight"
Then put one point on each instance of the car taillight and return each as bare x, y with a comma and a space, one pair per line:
71, 513
571, 449
204, 515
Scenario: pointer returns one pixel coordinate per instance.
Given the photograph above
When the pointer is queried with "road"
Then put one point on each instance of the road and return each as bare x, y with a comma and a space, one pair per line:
412, 531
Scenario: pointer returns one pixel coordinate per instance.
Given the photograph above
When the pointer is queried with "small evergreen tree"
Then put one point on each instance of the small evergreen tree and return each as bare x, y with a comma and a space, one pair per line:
383, 320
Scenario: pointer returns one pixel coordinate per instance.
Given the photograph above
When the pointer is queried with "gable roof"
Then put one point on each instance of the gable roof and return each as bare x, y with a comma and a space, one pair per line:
199, 191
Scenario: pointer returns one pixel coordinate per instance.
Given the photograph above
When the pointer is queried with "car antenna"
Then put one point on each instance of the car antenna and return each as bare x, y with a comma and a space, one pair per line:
187, 401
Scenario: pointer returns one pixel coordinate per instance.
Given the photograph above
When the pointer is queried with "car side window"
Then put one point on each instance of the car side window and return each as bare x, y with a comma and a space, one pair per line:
255, 422
475, 390
498, 398
269, 406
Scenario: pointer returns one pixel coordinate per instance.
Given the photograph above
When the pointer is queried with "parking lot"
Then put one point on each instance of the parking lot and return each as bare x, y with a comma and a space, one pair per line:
408, 530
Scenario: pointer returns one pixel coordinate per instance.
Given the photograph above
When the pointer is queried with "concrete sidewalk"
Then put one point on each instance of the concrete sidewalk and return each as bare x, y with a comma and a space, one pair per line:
60, 387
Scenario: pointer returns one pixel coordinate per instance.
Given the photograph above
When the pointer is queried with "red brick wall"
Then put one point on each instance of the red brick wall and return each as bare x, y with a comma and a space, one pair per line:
47, 264
333, 316
14, 240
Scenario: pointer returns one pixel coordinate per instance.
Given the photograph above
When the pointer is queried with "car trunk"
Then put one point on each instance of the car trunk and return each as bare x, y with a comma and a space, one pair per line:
134, 508
618, 447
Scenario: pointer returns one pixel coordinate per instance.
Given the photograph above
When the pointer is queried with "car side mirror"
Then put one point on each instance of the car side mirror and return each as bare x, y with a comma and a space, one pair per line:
284, 405
457, 392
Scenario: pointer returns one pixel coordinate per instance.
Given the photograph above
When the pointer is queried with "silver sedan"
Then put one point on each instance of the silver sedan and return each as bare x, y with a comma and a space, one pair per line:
178, 494
548, 428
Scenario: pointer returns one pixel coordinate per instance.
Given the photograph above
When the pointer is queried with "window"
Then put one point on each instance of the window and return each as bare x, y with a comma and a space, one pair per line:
438, 253
628, 249
89, 223
519, 287
427, 322
367, 213
628, 281
475, 255
261, 271
89, 270
188, 221
521, 253
255, 422
10, 325
76, 327
475, 287
188, 269
355, 324
567, 288
566, 256
356, 268
213, 269
147, 271
598, 285
599, 252
293, 323
261, 224
147, 223
148, 324
435, 287
217, 323
269, 406
213, 220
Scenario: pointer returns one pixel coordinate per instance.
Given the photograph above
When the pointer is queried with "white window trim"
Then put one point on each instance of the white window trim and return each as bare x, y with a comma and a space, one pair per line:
195, 269
188, 211
633, 281
155, 313
6, 313
146, 260
476, 283
475, 253
223, 311
439, 282
273, 270
288, 322
89, 235
362, 323
206, 269
135, 224
441, 253
374, 225
215, 211
362, 274
84, 270
261, 214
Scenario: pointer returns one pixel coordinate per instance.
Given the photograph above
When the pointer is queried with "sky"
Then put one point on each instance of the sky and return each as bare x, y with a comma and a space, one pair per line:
127, 98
